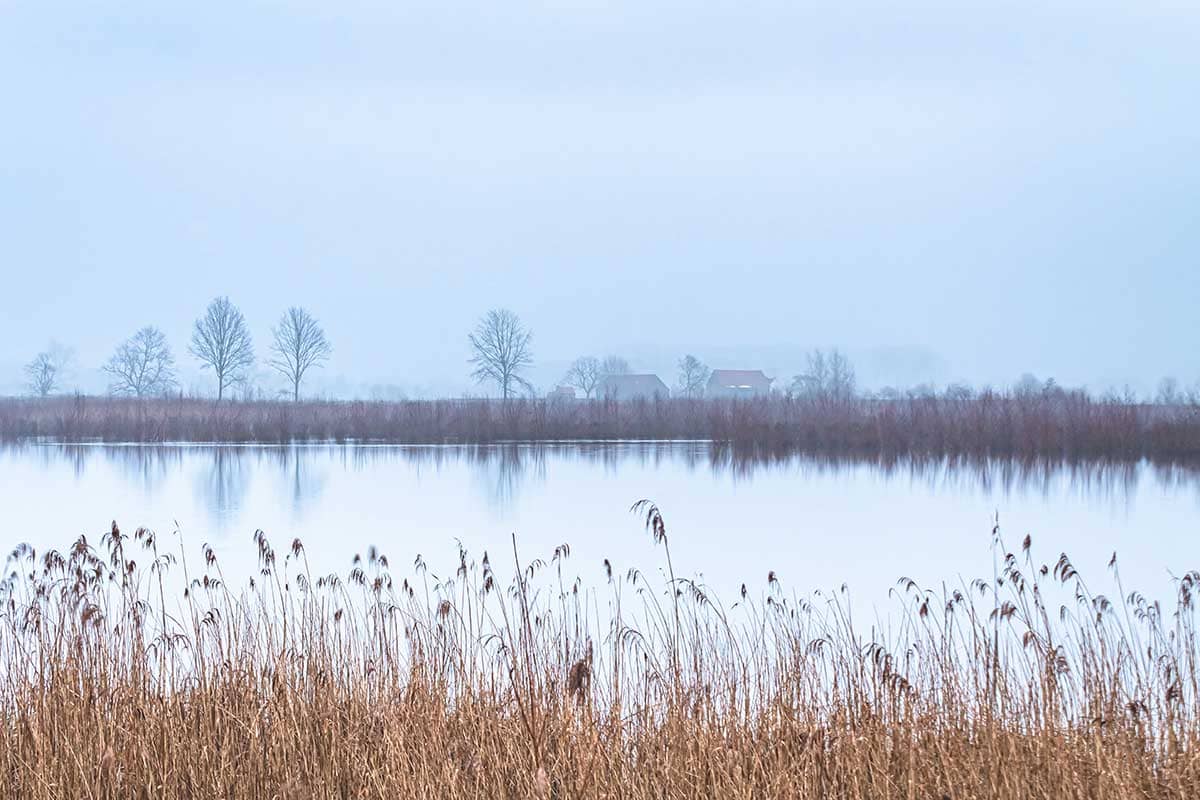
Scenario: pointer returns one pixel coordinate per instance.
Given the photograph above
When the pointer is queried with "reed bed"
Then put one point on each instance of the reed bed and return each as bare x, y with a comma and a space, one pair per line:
1051, 424
128, 671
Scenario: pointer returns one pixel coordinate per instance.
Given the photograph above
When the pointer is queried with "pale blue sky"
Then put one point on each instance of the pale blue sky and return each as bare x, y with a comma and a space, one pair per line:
947, 190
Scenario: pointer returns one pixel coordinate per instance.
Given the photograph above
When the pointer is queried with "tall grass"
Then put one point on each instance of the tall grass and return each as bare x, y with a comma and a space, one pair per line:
1053, 424
128, 671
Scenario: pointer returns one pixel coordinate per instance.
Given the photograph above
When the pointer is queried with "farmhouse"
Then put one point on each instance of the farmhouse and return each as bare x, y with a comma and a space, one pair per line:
737, 383
633, 387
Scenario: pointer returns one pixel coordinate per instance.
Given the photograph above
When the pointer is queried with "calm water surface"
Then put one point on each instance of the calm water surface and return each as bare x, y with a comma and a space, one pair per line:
818, 524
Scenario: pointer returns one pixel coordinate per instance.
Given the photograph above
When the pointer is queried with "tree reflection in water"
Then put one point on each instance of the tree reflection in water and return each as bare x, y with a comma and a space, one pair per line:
500, 471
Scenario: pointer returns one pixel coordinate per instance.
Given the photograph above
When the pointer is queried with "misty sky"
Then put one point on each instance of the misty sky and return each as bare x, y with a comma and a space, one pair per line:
947, 190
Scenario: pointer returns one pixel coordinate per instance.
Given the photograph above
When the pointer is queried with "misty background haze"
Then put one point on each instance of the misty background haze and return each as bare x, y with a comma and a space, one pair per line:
947, 192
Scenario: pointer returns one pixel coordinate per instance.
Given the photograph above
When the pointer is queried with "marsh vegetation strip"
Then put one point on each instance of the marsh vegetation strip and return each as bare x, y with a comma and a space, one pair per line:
508, 678
1049, 423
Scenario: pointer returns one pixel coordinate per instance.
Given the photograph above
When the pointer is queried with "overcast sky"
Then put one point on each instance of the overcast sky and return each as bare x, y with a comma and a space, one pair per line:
947, 190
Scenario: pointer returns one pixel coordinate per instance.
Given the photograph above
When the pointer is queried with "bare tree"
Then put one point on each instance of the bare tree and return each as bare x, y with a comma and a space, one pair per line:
1169, 393
842, 381
829, 377
959, 393
143, 365
44, 374
299, 345
584, 374
501, 346
221, 341
813, 382
693, 374
614, 365
889, 394
1027, 386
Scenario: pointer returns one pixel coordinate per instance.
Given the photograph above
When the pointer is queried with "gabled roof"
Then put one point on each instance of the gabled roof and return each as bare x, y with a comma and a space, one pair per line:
739, 377
638, 384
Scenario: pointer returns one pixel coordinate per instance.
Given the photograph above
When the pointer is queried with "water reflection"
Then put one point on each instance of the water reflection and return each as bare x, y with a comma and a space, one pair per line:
1087, 479
140, 465
817, 521
501, 472
301, 470
222, 486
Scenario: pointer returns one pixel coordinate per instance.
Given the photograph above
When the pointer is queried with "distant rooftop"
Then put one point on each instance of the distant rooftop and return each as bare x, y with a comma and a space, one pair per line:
645, 385
739, 377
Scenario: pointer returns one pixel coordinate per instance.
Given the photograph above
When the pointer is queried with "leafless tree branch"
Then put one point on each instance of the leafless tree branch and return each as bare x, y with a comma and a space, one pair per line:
221, 342
614, 365
142, 365
693, 375
584, 374
501, 346
42, 375
299, 345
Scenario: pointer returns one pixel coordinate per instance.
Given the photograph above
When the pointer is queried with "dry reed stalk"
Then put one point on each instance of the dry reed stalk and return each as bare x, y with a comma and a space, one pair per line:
373, 685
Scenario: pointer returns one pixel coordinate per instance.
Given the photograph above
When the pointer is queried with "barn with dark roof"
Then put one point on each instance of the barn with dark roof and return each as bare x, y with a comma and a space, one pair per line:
737, 383
633, 387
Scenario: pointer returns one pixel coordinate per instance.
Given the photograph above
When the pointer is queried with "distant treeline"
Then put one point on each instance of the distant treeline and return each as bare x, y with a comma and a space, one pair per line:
1053, 423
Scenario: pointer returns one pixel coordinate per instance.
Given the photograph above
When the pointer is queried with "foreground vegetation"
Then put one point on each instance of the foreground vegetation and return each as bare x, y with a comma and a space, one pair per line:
128, 672
1054, 424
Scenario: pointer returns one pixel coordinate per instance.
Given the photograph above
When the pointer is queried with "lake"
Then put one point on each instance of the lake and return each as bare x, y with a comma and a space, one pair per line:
817, 523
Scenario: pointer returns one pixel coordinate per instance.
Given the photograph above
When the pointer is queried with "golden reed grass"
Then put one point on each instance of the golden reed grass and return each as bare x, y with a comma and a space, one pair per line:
129, 672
